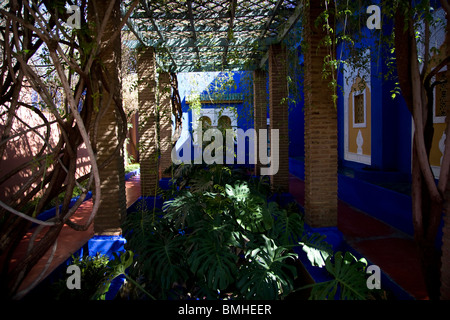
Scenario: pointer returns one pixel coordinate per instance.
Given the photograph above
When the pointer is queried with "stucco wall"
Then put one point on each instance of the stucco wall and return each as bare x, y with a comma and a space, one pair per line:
26, 145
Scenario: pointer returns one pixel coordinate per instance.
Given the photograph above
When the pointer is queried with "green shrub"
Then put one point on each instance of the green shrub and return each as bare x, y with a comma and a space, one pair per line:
131, 167
218, 237
93, 271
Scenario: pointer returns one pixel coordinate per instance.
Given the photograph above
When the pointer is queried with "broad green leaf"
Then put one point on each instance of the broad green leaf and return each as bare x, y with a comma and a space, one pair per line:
348, 276
316, 248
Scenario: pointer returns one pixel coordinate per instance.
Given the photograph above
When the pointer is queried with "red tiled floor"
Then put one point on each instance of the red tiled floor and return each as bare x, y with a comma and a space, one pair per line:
398, 258
133, 189
393, 251
355, 224
69, 240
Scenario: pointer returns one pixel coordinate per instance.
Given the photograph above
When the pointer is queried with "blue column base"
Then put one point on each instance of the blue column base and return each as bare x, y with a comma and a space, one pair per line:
333, 237
106, 245
165, 183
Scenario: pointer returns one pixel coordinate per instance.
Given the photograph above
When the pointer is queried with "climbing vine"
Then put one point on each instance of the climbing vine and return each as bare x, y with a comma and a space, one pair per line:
62, 63
403, 43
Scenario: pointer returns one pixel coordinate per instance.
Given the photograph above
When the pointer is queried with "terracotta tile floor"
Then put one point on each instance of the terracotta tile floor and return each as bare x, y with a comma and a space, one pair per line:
392, 250
69, 240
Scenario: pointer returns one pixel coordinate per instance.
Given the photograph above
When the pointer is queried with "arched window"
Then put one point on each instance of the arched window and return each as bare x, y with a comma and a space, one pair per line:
224, 123
206, 122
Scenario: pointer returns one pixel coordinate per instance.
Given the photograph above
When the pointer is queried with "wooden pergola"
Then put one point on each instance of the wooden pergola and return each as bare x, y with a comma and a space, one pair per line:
241, 35
217, 35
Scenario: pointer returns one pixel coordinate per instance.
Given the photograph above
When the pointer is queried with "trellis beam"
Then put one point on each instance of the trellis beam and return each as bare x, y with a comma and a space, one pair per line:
234, 30
232, 12
161, 36
290, 23
272, 17
194, 34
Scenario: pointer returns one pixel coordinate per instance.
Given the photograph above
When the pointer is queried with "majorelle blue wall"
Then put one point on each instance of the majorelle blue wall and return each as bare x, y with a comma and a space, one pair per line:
297, 116
211, 83
207, 81
390, 119
390, 152
390, 130
381, 188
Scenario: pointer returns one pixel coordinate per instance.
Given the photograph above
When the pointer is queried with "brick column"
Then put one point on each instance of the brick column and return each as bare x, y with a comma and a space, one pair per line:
112, 177
165, 124
148, 147
278, 113
321, 144
259, 110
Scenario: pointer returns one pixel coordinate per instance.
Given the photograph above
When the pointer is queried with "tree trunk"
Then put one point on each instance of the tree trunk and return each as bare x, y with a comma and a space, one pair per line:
426, 198
445, 258
424, 234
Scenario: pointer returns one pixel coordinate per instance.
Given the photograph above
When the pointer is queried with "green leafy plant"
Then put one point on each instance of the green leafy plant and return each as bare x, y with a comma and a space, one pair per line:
212, 260
115, 267
93, 270
250, 209
348, 279
267, 275
97, 274
220, 238
132, 167
213, 240
317, 250
287, 223
164, 257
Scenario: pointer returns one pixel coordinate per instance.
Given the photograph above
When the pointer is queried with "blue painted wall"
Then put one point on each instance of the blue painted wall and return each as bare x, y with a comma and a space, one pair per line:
208, 82
297, 119
391, 120
391, 146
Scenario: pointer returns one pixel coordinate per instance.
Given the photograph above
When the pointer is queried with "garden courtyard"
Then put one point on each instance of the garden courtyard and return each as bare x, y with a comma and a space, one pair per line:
224, 150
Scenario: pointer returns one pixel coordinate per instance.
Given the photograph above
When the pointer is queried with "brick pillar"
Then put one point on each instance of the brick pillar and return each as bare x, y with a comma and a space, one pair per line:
259, 110
148, 147
278, 113
112, 177
165, 124
321, 144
